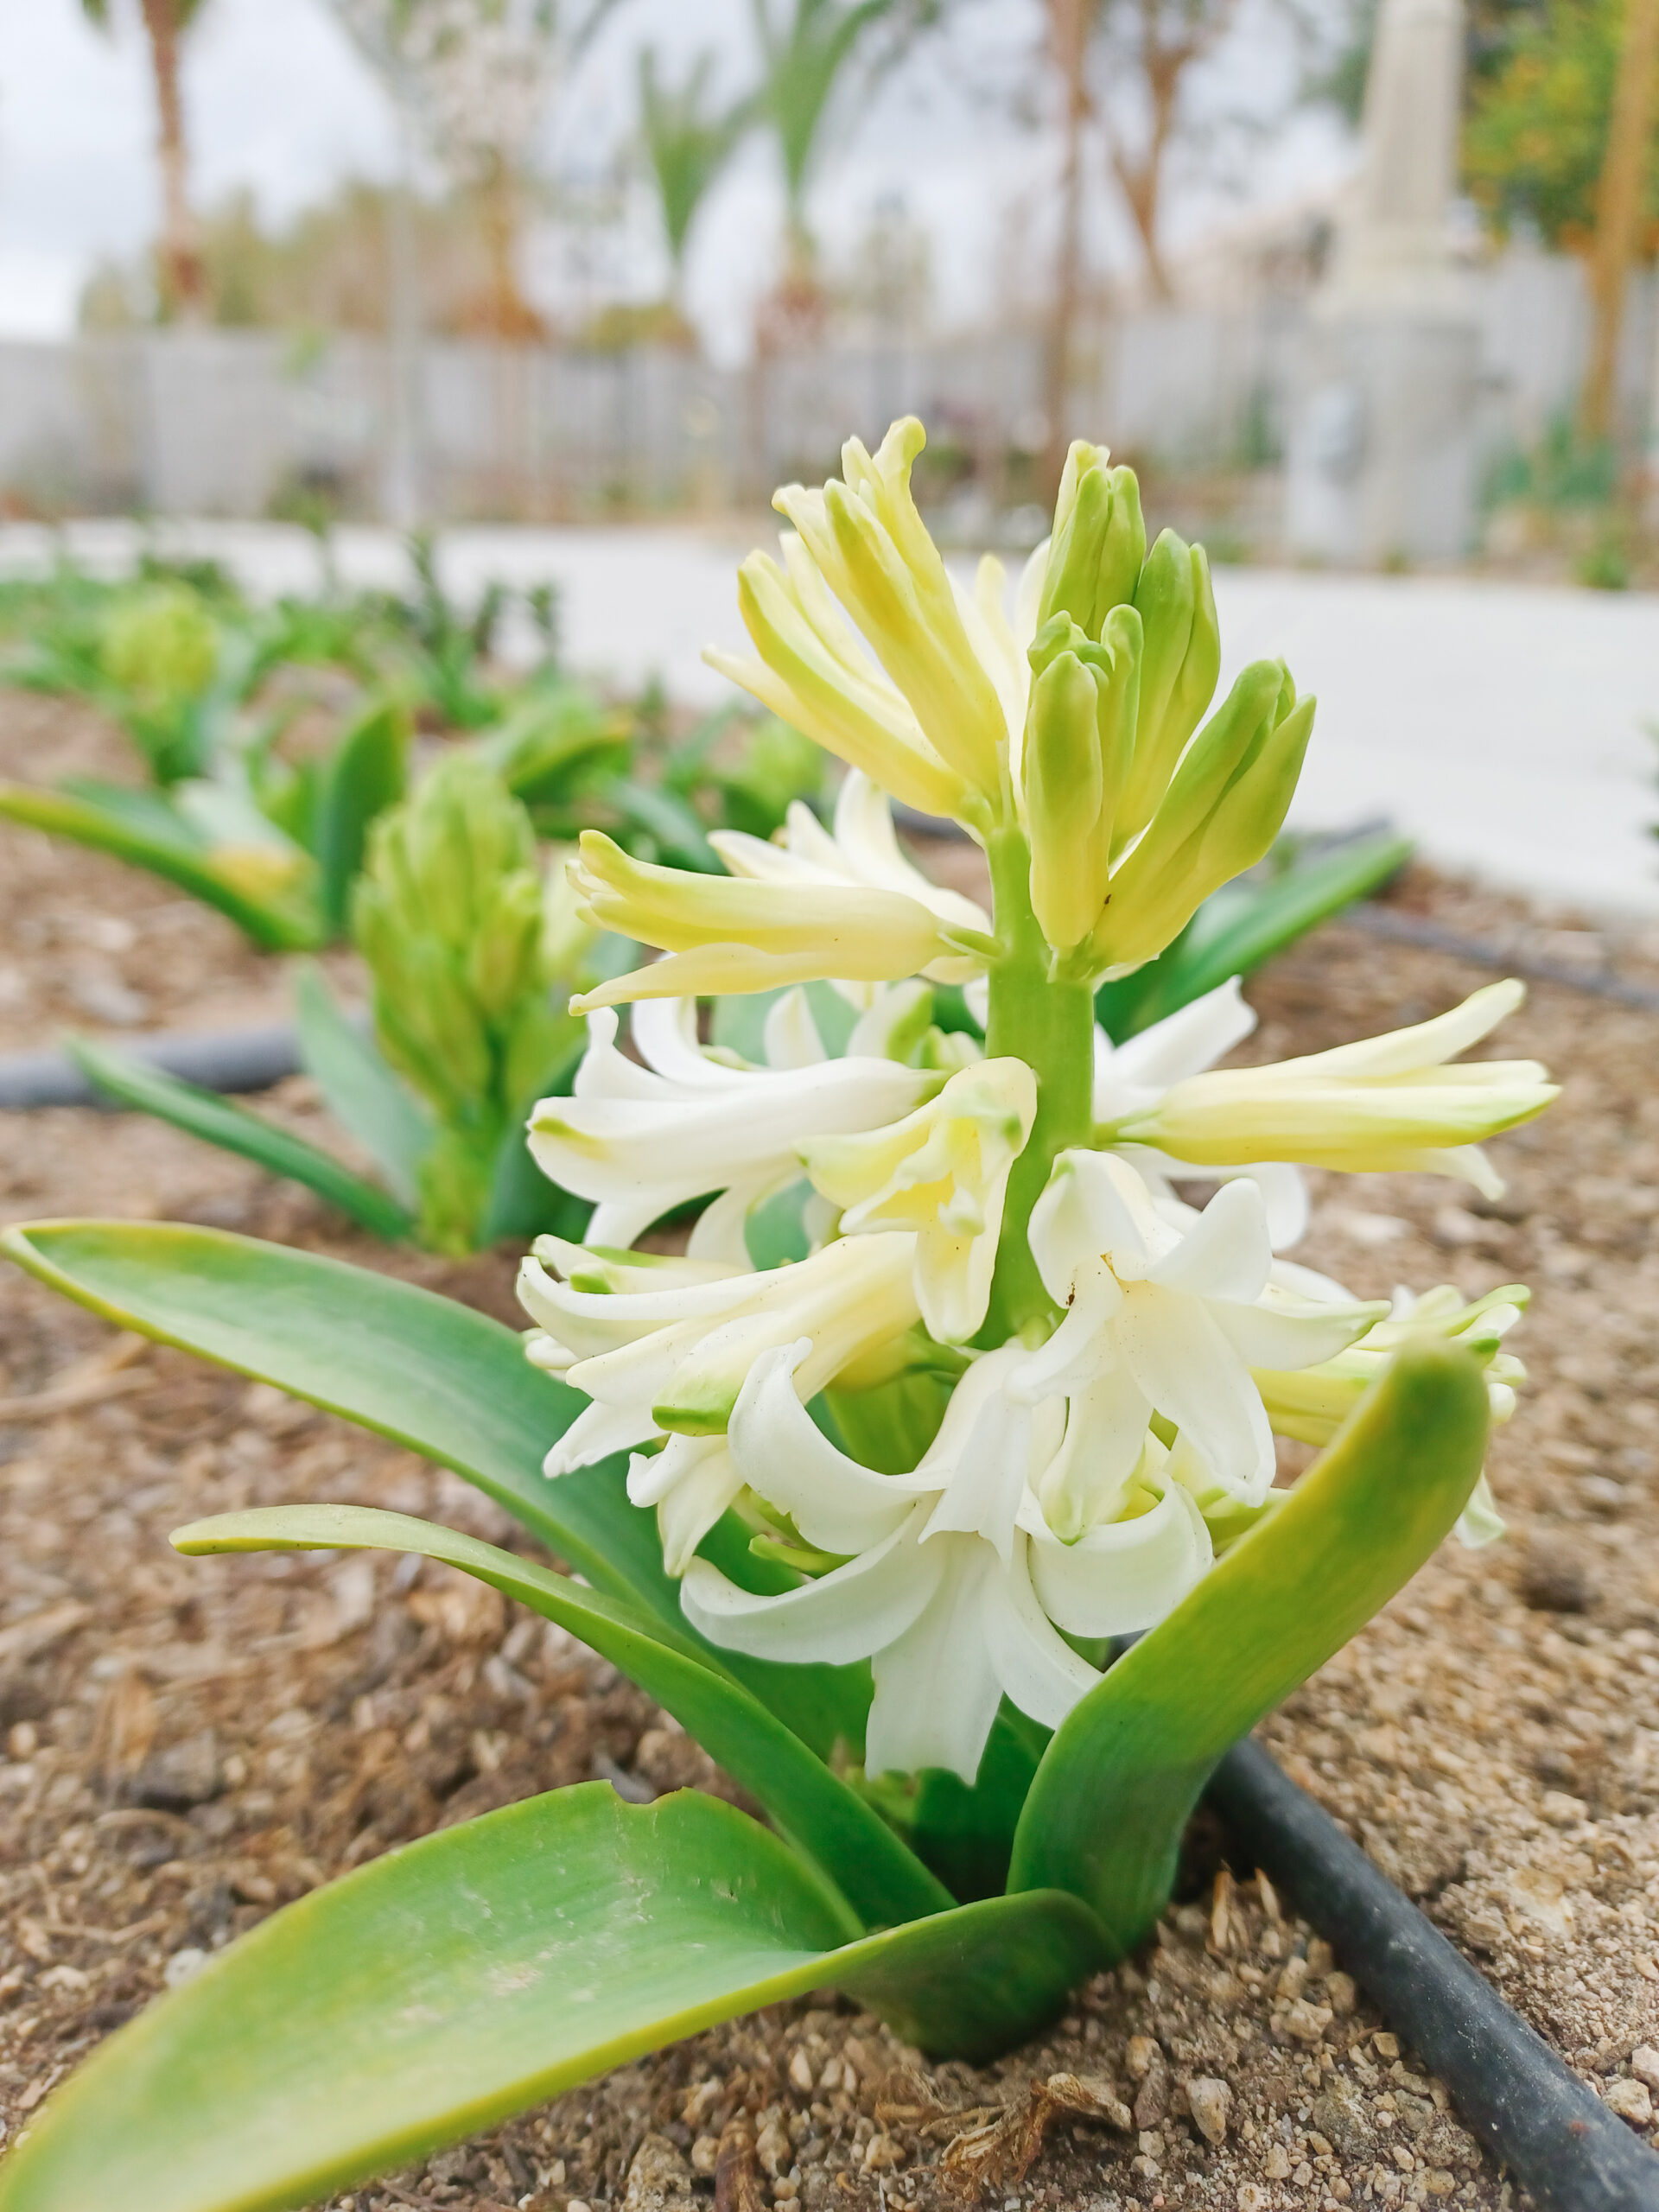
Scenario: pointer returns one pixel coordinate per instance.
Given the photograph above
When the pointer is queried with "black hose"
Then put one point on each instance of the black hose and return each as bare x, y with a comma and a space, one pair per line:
228, 1060
1511, 2089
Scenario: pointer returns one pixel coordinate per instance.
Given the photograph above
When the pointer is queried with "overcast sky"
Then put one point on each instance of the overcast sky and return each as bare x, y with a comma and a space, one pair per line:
277, 101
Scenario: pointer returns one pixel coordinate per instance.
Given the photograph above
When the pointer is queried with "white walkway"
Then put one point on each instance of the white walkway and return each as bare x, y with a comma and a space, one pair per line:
1504, 726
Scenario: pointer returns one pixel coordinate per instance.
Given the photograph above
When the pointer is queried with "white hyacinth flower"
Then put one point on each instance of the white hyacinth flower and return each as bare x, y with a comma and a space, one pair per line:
953, 1583
1172, 1322
666, 1348
640, 1141
1132, 1078
1388, 1102
942, 1171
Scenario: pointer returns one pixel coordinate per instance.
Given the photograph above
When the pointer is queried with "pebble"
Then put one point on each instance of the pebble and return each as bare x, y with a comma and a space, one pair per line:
1644, 2064
1211, 2103
184, 1966
1630, 2100
659, 2179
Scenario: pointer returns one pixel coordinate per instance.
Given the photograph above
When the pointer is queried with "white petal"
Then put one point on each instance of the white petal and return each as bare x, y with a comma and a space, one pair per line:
1037, 1670
596, 1432
1080, 1349
983, 1452
1468, 1162
1188, 1041
1093, 1204
1285, 1339
845, 1615
790, 1035
937, 1692
690, 1508
1105, 1434
1308, 1283
781, 1452
1124, 1575
717, 1233
1426, 1043
1186, 1366
1226, 1253
664, 1032
604, 1072
1480, 1523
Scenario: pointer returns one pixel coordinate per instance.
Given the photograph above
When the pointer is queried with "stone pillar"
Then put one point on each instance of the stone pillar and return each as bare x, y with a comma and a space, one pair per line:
1382, 450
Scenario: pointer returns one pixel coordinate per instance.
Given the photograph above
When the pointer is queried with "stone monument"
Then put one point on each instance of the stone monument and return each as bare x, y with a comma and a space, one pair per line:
1382, 461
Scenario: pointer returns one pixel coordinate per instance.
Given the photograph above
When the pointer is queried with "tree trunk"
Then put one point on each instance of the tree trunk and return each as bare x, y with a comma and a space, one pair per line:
1619, 209
183, 280
1069, 37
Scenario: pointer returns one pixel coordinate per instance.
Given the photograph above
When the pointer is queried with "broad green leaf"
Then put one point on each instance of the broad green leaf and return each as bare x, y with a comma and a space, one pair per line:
489, 1967
234, 1129
275, 927
966, 1836
431, 1374
366, 772
363, 1094
883, 1881
664, 816
1125, 1769
1243, 925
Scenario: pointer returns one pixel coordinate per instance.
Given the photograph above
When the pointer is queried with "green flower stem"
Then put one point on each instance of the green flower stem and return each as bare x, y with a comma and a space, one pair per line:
1049, 1023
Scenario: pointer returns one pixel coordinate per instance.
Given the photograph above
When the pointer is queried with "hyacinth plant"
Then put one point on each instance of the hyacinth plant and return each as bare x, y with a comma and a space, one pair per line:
472, 959
931, 1484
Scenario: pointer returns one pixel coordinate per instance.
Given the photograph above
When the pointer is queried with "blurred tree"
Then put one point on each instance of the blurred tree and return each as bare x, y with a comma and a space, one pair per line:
473, 78
1537, 135
688, 141
1629, 175
178, 255
804, 51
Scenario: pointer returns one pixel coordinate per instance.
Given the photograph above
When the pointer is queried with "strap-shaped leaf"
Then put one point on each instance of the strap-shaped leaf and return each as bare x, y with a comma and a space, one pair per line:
363, 1094
275, 927
365, 774
431, 1374
234, 1129
883, 1881
1125, 1769
488, 1967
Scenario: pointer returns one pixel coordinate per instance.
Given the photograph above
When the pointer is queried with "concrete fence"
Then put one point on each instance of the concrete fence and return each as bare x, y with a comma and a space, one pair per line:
240, 423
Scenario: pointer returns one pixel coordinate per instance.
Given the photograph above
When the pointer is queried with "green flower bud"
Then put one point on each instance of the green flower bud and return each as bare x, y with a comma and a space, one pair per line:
1099, 543
1225, 804
1177, 678
161, 644
504, 960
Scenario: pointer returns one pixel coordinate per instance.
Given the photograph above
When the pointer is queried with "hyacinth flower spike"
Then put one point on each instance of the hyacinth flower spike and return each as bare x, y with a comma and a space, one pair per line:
862, 1470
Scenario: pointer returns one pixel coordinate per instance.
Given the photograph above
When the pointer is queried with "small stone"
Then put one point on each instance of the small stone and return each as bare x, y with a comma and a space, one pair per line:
1139, 2055
774, 2149
1151, 2098
1439, 2181
659, 2179
1276, 2165
1554, 1584
1630, 2100
1308, 2023
1211, 2103
183, 1965
1252, 2197
705, 2154
1644, 2064
183, 1775
1342, 2115
1385, 2045
881, 2153
1320, 1958
800, 2071
699, 2101
1152, 2144
1562, 1811
1341, 1993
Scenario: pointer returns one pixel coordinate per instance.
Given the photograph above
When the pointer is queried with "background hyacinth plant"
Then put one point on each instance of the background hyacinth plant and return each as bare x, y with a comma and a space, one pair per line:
968, 1372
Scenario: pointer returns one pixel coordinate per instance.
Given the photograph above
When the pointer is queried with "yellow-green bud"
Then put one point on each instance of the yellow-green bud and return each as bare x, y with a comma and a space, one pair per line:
504, 961
1099, 543
161, 644
1225, 804
1079, 739
1182, 660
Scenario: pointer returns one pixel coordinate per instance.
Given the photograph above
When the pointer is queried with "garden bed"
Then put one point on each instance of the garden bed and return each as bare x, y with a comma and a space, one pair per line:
189, 1743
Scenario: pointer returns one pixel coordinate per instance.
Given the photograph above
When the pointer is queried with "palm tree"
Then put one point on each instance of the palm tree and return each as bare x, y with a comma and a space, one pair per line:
802, 57
183, 278
687, 144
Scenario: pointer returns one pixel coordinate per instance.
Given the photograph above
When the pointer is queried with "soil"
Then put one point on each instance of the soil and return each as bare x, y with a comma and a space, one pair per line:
190, 1743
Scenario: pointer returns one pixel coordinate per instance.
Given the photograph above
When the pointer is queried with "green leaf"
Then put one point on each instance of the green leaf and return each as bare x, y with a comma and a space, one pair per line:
435, 1375
681, 837
1125, 1769
488, 1967
365, 773
1243, 926
234, 1129
363, 1094
883, 1881
181, 859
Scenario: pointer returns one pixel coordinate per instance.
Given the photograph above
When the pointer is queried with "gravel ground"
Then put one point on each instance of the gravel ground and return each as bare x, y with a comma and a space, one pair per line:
189, 1743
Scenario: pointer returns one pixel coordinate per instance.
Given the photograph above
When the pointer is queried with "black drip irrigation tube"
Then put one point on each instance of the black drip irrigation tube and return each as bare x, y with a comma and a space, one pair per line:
229, 1059
1555, 2135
